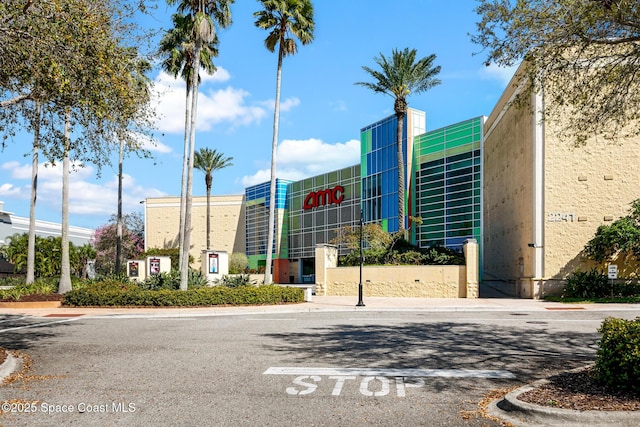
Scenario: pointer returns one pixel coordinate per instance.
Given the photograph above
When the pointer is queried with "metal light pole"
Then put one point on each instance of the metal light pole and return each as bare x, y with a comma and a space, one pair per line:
360, 303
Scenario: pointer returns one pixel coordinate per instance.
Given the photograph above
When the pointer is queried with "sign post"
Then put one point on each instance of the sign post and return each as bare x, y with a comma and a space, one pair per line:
613, 275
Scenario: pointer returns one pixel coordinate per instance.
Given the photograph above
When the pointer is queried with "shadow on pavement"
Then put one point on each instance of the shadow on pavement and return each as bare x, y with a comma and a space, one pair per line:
530, 354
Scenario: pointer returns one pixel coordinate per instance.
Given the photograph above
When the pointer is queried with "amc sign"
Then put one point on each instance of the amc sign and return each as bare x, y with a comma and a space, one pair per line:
315, 199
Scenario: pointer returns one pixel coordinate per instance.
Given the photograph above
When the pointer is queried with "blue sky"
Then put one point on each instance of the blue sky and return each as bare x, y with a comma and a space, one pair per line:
322, 110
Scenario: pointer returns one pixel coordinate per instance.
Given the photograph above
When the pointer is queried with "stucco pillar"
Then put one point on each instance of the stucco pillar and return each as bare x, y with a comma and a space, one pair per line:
326, 257
471, 255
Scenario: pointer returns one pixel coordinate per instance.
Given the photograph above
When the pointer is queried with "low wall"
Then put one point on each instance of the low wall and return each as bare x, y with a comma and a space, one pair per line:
402, 281
431, 281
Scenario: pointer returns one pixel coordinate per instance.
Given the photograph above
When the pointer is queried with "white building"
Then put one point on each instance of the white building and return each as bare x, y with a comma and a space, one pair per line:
11, 224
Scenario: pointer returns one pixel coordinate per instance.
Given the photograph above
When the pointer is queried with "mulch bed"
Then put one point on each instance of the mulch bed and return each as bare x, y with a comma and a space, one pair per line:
578, 390
36, 298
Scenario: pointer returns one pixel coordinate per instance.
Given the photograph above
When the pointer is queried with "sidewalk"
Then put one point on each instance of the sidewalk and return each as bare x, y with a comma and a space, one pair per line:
509, 408
324, 303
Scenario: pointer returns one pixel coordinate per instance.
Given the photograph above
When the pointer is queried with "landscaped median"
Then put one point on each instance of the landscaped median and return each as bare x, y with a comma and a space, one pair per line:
114, 293
132, 296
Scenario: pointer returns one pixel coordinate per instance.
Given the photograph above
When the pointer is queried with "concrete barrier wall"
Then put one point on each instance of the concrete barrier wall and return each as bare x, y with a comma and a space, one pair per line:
441, 281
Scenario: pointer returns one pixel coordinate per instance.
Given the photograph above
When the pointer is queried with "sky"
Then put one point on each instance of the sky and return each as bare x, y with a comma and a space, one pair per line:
321, 112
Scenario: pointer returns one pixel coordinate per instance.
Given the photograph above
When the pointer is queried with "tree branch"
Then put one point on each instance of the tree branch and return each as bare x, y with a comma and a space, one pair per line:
15, 100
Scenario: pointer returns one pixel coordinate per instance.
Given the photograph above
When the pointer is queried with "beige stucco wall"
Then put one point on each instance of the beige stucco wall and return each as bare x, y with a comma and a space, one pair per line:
433, 281
508, 191
596, 183
581, 187
405, 281
162, 219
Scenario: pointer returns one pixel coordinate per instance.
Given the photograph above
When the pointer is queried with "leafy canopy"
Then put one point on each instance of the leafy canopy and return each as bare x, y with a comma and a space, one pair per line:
586, 52
621, 236
402, 75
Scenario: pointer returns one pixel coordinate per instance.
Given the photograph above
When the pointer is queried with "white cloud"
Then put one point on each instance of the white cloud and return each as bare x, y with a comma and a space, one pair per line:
87, 196
214, 106
495, 72
286, 105
12, 192
154, 146
298, 159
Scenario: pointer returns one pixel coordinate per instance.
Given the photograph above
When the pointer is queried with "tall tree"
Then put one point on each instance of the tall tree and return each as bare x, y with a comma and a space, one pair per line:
209, 161
205, 16
178, 48
68, 56
586, 52
31, 253
140, 86
286, 21
398, 77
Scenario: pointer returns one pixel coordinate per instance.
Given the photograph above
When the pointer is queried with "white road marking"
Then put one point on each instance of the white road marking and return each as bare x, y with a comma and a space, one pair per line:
375, 372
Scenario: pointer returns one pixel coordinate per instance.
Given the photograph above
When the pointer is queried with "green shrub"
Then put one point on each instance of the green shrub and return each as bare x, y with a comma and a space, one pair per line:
235, 280
196, 279
38, 287
238, 263
593, 284
618, 359
587, 284
110, 294
171, 280
403, 253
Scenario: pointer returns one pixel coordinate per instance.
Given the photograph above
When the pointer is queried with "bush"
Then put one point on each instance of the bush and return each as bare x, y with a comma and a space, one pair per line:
403, 253
108, 295
233, 281
171, 280
618, 359
587, 284
238, 263
38, 287
593, 284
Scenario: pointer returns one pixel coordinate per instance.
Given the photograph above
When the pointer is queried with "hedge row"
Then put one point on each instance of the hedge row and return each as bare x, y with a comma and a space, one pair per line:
129, 295
618, 360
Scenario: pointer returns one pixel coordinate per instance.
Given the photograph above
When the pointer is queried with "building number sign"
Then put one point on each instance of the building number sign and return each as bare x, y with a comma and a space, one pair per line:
561, 217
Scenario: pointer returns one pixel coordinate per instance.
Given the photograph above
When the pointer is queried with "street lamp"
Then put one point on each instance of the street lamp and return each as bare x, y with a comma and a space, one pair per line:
360, 303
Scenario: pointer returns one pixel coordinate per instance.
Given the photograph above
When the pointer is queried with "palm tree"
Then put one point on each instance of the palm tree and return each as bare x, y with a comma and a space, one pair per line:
209, 161
178, 49
398, 77
286, 21
198, 33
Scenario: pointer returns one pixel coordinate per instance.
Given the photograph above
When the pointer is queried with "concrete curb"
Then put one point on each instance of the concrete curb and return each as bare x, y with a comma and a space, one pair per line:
523, 413
9, 366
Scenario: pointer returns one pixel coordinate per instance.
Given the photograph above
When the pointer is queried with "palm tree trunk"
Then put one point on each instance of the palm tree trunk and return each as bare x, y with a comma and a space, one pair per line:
119, 214
65, 266
184, 270
208, 182
185, 165
271, 226
401, 228
31, 245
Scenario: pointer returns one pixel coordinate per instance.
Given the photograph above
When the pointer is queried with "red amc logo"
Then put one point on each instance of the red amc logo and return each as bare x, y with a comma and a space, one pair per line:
315, 199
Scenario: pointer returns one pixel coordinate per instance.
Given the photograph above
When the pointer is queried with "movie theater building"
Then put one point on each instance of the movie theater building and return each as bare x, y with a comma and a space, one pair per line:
531, 199
443, 177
